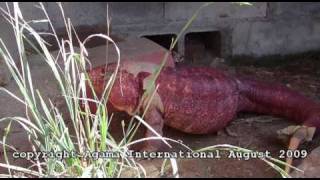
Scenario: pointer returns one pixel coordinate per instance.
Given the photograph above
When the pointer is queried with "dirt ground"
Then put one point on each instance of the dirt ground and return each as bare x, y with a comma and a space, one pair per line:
251, 131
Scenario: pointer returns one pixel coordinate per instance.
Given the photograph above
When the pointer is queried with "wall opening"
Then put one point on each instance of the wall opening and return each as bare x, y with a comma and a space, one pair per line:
202, 47
163, 40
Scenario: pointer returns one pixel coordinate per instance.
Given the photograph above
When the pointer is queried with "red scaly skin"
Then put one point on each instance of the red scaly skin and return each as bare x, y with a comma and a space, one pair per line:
202, 100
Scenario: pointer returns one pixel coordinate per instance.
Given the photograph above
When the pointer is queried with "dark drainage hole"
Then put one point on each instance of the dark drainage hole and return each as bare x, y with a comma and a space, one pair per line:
163, 40
202, 47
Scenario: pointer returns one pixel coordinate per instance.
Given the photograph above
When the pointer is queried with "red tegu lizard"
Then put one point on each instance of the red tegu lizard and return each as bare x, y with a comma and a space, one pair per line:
200, 100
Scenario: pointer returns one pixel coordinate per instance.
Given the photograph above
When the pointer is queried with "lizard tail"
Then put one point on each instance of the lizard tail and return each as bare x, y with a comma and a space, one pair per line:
277, 100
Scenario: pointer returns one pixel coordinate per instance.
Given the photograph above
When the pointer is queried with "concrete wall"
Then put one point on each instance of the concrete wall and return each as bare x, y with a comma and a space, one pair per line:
288, 28
262, 29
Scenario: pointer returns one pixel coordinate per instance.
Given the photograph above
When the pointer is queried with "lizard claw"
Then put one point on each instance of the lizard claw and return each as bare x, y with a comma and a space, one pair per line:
299, 134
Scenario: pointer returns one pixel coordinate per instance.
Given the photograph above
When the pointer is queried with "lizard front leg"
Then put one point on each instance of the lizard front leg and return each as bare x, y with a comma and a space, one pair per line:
153, 107
154, 119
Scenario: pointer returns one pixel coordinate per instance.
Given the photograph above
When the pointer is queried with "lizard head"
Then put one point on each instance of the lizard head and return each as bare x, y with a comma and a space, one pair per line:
124, 92
99, 77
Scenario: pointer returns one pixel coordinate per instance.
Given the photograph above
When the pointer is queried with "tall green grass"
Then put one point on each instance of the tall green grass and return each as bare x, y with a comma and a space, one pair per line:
44, 123
46, 128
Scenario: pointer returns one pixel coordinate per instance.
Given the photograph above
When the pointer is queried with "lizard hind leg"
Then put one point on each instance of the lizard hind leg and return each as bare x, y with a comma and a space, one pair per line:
299, 134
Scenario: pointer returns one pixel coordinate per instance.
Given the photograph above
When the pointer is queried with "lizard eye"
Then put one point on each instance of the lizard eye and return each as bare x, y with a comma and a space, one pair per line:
102, 72
107, 75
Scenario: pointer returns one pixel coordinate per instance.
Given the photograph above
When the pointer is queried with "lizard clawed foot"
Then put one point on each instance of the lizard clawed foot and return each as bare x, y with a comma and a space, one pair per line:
299, 134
